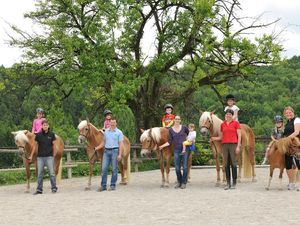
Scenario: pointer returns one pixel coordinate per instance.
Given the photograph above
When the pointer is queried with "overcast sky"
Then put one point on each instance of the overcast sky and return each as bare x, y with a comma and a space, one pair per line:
11, 11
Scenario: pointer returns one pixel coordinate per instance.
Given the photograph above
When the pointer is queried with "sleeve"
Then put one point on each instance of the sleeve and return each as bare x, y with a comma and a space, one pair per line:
297, 120
163, 121
238, 125
170, 136
120, 136
235, 108
186, 130
225, 108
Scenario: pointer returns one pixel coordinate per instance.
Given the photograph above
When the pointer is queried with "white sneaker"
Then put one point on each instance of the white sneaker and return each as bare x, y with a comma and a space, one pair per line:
298, 189
291, 186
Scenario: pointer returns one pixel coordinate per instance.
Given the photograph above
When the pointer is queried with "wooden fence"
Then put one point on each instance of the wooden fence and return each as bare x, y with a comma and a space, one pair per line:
136, 159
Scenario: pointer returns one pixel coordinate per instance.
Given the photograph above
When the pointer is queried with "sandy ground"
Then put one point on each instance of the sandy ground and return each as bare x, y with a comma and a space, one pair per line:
144, 202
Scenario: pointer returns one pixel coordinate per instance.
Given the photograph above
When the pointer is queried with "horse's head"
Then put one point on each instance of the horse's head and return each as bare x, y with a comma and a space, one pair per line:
294, 144
205, 123
150, 139
83, 129
21, 140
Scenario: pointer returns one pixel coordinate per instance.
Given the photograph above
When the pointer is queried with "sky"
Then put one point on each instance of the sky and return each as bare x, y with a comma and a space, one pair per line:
12, 11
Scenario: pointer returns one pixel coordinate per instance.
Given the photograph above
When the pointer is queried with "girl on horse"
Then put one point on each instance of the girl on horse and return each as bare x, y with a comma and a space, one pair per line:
168, 118
230, 101
107, 114
277, 133
37, 122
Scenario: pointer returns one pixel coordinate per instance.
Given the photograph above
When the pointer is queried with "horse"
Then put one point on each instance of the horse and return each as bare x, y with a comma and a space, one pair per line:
25, 141
277, 150
151, 139
94, 137
210, 124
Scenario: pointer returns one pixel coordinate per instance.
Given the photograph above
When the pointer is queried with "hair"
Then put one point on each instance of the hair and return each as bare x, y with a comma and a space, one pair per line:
191, 125
45, 121
113, 118
229, 111
288, 108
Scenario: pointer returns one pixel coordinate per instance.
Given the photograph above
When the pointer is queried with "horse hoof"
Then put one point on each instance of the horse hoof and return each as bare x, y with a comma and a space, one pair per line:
280, 189
123, 183
162, 186
267, 188
254, 180
26, 191
217, 184
167, 185
87, 188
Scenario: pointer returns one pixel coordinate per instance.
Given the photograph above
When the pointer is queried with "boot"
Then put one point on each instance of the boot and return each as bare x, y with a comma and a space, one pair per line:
234, 177
228, 186
228, 178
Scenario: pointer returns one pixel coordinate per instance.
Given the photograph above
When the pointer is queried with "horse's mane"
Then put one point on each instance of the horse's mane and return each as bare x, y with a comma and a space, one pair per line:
214, 119
155, 133
284, 144
84, 123
21, 136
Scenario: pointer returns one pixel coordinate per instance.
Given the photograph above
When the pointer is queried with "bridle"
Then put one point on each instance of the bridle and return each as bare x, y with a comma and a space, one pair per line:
22, 152
211, 122
85, 135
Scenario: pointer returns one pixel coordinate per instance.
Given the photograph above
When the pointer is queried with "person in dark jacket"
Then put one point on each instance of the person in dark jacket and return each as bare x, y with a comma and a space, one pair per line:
45, 141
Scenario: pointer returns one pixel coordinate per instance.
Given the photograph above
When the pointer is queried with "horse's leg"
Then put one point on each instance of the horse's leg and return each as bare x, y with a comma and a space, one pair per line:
27, 170
270, 177
215, 153
161, 164
280, 178
122, 165
91, 167
168, 165
252, 161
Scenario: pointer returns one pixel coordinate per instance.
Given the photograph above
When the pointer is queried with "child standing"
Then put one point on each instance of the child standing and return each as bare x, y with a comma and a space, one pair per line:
168, 118
107, 114
37, 123
230, 100
277, 133
190, 139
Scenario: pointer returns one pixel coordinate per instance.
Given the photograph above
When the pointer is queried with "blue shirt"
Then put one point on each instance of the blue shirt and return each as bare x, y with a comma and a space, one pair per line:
112, 138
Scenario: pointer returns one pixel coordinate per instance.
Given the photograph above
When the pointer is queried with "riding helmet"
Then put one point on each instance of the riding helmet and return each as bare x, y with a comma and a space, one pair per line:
39, 110
107, 111
230, 96
168, 106
278, 118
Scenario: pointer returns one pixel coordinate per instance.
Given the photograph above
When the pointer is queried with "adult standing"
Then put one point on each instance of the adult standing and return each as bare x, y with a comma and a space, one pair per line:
113, 141
230, 137
292, 129
177, 135
45, 140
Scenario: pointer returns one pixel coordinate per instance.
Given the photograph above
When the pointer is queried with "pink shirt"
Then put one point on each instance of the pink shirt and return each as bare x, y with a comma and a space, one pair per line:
106, 124
37, 125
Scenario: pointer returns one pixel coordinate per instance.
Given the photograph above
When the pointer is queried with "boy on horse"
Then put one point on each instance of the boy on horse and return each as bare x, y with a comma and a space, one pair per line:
168, 118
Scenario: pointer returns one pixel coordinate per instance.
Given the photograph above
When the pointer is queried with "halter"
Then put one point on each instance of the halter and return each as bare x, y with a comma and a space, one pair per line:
211, 122
87, 132
22, 152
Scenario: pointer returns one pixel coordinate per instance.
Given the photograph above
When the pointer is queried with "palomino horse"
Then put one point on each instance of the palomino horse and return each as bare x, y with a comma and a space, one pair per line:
151, 139
276, 152
94, 137
210, 124
25, 141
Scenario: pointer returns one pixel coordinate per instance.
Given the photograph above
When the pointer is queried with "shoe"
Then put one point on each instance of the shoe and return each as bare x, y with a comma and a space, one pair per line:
37, 193
233, 186
100, 189
183, 186
227, 187
54, 191
178, 185
112, 188
298, 189
291, 186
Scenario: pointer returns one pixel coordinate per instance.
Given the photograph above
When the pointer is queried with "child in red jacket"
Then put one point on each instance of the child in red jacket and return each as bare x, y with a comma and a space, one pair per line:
168, 118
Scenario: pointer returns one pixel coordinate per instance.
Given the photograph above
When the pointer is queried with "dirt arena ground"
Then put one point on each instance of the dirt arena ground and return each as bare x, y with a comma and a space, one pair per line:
144, 202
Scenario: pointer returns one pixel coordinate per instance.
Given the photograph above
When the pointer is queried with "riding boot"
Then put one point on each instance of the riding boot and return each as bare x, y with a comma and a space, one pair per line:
234, 176
227, 170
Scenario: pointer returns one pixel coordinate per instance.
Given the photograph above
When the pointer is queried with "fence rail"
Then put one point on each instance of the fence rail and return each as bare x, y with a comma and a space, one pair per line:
136, 159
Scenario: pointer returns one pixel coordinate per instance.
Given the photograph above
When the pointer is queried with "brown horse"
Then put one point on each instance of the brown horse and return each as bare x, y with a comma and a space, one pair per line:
210, 124
276, 152
25, 141
151, 139
94, 137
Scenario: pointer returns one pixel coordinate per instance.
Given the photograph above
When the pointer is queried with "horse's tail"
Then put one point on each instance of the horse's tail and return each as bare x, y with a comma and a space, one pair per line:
248, 151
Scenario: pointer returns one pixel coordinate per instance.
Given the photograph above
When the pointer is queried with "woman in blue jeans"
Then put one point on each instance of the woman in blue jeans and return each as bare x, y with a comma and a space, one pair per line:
177, 135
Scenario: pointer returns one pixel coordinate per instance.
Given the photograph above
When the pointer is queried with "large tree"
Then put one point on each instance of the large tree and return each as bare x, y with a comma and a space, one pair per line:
142, 53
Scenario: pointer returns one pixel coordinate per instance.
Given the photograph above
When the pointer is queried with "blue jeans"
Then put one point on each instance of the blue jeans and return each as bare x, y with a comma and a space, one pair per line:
179, 160
49, 163
110, 157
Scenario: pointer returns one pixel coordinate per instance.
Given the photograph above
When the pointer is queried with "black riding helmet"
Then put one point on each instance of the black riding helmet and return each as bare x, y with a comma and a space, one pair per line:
107, 111
230, 96
168, 106
278, 118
